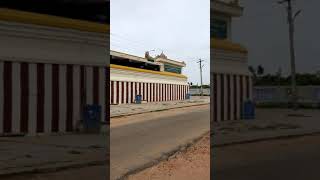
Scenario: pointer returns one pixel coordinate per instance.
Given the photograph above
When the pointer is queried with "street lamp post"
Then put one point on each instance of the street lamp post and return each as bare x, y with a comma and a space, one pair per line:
291, 19
201, 66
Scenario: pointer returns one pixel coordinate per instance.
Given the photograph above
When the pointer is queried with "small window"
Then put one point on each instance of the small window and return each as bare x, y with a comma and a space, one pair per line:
219, 29
171, 68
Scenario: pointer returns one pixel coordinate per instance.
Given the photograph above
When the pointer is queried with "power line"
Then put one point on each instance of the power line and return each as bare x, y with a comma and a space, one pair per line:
201, 66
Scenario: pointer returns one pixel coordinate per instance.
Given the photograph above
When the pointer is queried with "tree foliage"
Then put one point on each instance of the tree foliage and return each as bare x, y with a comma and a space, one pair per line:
302, 79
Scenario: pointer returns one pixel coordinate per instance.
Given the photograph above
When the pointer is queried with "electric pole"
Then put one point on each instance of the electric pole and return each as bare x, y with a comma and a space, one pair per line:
201, 66
291, 20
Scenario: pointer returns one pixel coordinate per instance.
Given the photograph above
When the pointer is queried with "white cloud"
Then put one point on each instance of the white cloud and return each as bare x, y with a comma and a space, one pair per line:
181, 28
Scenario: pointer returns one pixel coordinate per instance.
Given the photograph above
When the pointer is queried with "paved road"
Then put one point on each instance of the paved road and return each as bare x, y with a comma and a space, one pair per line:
294, 159
136, 144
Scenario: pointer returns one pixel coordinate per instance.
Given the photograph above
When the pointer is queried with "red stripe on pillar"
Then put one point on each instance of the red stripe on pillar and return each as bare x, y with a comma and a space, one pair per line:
122, 92
82, 88
55, 98
215, 97
235, 102
162, 92
140, 86
182, 93
165, 92
107, 95
24, 106
157, 97
179, 92
95, 85
40, 98
69, 122
135, 90
241, 92
182, 97
7, 82
175, 92
83, 97
142, 91
112, 92
127, 92
158, 93
154, 92
117, 92
150, 92
170, 92
147, 91
132, 98
247, 88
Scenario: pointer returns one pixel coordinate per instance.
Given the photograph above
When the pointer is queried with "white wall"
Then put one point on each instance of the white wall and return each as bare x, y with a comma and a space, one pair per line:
133, 76
34, 43
229, 62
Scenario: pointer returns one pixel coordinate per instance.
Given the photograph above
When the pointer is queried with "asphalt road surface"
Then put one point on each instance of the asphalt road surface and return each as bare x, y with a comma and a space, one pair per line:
153, 134
90, 173
292, 159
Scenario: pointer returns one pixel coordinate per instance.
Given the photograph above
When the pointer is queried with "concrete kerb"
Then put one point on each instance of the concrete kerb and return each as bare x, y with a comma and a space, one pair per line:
262, 139
164, 157
157, 110
51, 169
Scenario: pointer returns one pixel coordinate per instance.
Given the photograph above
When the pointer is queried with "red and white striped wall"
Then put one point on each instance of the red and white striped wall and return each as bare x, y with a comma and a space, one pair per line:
47, 98
229, 93
122, 92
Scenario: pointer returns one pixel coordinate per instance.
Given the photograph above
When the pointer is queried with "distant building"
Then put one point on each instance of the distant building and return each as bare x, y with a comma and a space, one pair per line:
52, 63
232, 83
155, 79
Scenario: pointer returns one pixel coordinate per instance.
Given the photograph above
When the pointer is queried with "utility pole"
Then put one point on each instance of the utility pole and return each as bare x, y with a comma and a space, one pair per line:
201, 66
291, 20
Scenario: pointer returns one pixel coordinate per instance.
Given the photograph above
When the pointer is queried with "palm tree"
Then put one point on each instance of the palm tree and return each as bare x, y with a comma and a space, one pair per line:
260, 70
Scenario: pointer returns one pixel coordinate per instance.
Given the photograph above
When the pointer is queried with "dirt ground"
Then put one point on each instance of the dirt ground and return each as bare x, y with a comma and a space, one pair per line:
192, 164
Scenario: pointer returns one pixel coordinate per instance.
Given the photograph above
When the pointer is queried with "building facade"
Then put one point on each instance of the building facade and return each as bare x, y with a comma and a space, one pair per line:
50, 67
155, 79
232, 83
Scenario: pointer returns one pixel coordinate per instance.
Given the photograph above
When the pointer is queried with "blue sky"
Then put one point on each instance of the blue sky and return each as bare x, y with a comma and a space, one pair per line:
179, 28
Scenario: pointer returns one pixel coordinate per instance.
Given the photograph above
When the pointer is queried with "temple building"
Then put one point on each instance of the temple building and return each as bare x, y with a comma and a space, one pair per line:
232, 83
154, 78
53, 61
